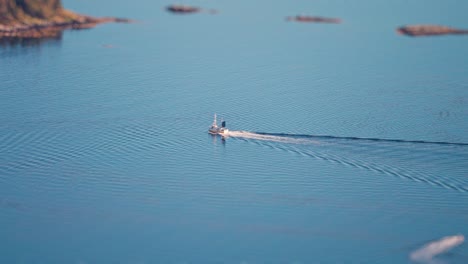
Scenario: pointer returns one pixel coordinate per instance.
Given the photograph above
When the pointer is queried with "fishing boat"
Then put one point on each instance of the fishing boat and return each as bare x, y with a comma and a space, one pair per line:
215, 130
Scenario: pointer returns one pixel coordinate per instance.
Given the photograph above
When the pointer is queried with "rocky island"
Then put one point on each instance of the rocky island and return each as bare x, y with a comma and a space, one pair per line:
314, 19
185, 9
43, 19
182, 9
429, 30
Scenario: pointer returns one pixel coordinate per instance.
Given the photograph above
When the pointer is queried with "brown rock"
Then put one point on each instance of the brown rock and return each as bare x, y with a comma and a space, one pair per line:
314, 19
183, 9
428, 30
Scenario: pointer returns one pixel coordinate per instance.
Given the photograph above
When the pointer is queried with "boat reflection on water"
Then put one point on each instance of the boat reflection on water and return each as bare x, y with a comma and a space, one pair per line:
217, 140
29, 42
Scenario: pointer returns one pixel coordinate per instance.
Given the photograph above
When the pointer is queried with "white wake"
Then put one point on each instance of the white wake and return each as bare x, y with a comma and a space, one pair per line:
282, 139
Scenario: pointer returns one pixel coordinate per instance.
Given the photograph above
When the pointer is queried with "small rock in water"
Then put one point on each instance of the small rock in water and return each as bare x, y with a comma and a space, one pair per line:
429, 30
183, 9
314, 19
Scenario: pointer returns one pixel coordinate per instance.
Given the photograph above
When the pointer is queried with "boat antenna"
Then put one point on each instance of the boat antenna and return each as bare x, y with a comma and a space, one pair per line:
214, 121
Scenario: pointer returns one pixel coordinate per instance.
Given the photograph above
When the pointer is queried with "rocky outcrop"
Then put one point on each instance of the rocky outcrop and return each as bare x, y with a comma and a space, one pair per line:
42, 19
185, 9
314, 19
428, 30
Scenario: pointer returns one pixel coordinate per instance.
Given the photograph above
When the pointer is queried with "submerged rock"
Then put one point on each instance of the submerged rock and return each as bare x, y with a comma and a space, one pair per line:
314, 19
428, 30
43, 19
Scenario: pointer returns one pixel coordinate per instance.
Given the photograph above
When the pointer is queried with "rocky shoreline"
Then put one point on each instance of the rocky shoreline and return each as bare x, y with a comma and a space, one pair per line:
43, 19
52, 29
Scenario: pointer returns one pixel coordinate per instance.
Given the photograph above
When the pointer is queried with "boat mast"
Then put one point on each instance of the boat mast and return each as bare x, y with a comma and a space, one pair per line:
214, 121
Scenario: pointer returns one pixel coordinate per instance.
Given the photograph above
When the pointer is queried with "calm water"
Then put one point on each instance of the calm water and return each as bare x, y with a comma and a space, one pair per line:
349, 142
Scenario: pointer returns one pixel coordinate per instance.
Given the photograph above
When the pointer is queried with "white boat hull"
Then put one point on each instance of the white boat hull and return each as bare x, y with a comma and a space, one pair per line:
223, 132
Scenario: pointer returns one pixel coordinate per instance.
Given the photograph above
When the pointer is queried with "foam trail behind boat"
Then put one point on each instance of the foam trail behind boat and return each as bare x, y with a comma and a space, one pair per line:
274, 138
399, 158
327, 137
427, 253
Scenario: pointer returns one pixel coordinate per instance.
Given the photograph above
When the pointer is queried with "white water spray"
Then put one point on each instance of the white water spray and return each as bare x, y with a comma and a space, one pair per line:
426, 253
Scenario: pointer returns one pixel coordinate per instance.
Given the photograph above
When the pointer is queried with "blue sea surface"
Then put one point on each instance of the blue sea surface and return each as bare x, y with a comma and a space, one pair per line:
348, 142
